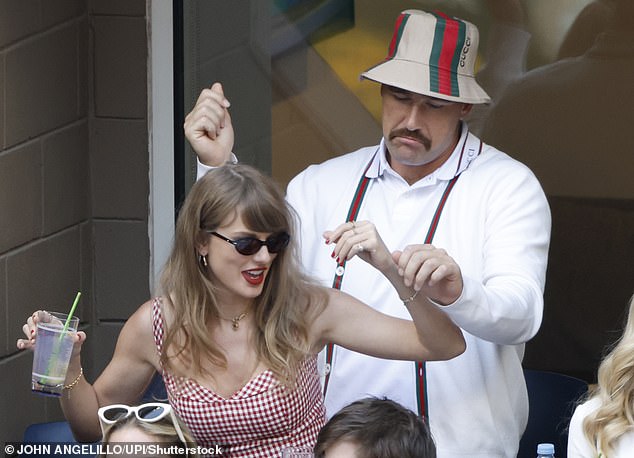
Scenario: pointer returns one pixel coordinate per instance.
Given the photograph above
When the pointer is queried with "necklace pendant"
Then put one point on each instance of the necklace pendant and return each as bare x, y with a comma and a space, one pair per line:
235, 321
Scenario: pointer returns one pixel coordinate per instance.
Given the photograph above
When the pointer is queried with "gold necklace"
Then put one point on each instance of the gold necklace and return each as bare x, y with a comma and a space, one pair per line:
235, 321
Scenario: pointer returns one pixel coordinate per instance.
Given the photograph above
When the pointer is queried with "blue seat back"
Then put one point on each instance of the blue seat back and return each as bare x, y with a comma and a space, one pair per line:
552, 398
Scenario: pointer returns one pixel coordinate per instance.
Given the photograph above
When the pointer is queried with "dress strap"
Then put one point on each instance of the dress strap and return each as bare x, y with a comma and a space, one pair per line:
157, 324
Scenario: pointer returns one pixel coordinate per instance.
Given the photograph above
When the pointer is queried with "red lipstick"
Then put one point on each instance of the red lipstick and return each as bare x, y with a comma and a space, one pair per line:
254, 277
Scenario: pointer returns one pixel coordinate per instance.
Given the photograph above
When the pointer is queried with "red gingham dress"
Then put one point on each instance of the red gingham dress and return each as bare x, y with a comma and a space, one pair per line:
257, 420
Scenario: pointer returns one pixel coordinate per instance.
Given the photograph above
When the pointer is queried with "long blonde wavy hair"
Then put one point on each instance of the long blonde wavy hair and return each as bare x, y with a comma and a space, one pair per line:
288, 300
615, 390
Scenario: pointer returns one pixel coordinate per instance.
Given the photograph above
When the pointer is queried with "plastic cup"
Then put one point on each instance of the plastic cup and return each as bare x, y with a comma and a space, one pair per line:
53, 347
297, 452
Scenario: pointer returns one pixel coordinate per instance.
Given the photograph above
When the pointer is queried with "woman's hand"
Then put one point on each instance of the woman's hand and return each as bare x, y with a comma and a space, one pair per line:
208, 127
30, 331
359, 238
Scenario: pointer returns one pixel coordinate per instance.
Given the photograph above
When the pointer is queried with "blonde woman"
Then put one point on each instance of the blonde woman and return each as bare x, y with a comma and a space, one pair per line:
603, 426
238, 327
153, 428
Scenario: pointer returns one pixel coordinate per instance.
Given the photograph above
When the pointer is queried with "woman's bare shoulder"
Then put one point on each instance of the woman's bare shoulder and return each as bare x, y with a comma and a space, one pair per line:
137, 334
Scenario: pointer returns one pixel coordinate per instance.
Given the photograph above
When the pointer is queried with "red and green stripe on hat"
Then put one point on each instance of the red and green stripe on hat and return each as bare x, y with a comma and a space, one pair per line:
449, 39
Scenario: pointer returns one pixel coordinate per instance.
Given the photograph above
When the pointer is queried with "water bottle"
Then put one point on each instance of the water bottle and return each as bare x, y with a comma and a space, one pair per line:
546, 451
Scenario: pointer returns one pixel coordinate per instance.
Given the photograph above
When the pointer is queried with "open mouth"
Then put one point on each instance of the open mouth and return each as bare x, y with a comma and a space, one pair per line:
255, 276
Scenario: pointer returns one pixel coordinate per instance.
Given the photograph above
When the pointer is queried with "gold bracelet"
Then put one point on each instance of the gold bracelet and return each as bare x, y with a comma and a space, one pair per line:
72, 384
409, 299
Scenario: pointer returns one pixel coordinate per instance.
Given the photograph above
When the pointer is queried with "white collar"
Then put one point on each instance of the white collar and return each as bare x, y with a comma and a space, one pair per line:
466, 150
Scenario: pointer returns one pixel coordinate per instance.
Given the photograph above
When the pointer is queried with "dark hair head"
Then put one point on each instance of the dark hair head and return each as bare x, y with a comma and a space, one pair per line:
381, 428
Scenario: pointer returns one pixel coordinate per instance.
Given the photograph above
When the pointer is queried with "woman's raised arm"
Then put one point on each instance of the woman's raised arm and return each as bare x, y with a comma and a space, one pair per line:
431, 335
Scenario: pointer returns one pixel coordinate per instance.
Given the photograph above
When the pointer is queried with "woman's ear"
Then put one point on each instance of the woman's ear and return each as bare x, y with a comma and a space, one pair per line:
202, 243
203, 250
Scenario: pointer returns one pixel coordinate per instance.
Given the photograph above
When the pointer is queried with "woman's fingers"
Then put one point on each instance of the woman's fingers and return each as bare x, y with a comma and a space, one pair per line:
29, 330
351, 239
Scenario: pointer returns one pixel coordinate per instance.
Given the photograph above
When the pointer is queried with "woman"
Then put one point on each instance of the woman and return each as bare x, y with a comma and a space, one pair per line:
603, 426
238, 327
147, 430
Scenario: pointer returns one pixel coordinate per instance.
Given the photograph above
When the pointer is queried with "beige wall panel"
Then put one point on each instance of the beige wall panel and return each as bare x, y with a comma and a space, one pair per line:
120, 59
2, 101
65, 178
121, 260
42, 75
118, 7
87, 271
83, 67
5, 345
17, 20
119, 168
21, 220
57, 11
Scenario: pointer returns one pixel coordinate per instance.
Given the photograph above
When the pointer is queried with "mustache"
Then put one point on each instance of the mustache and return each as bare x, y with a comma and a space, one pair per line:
415, 134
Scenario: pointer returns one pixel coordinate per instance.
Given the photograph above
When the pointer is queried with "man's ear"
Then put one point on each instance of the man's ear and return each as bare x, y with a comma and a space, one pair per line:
466, 109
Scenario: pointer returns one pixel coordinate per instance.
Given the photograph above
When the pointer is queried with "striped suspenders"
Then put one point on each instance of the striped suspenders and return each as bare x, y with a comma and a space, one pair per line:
355, 206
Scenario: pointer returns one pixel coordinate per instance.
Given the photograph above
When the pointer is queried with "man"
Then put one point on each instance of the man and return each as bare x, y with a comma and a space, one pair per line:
490, 232
375, 428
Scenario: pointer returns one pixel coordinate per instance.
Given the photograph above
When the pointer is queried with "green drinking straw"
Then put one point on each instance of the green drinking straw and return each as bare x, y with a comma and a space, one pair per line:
70, 315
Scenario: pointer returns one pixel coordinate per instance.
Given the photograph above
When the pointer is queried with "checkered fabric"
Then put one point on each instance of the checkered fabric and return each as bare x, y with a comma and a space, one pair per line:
259, 419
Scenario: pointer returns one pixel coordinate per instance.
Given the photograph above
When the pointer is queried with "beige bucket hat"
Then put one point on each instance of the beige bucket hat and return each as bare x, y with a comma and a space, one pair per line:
432, 54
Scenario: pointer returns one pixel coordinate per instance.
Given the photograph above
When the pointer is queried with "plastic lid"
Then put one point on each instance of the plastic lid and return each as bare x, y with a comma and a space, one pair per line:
545, 449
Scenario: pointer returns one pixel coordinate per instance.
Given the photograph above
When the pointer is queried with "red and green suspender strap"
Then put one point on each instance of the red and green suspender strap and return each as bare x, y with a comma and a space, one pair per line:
355, 206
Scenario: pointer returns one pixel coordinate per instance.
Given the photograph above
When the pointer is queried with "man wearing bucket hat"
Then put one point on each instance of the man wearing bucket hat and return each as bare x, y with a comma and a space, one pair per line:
483, 218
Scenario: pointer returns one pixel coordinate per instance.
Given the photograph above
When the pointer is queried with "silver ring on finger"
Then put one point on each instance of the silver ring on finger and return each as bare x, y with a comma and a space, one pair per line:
360, 248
